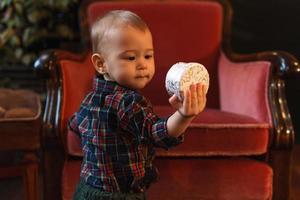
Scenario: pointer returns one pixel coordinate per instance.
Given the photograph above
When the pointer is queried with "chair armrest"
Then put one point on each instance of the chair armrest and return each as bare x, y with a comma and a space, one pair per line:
48, 66
282, 66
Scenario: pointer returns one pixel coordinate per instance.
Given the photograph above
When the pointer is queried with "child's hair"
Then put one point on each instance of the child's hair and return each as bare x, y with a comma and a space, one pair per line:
101, 28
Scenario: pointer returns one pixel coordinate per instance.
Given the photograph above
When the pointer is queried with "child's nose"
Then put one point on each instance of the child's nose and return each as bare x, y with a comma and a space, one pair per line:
142, 64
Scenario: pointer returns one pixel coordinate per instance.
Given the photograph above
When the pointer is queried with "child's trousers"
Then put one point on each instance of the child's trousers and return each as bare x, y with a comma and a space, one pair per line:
86, 192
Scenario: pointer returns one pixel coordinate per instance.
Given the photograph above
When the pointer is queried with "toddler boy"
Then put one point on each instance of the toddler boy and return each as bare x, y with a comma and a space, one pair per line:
116, 124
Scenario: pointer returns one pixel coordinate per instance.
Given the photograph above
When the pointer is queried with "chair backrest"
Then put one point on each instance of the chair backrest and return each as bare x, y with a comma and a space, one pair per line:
77, 76
188, 31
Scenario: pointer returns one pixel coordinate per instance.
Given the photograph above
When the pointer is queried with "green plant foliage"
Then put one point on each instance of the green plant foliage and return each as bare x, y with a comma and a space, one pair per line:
29, 26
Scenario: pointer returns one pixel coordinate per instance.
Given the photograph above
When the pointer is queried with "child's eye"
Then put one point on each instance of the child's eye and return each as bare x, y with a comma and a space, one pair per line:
148, 56
131, 58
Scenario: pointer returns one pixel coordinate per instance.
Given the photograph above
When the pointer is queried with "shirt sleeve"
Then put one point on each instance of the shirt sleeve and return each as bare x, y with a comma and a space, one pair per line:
137, 117
73, 124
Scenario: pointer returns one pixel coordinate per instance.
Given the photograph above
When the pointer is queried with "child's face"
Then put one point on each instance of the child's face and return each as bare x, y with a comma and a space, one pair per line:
129, 58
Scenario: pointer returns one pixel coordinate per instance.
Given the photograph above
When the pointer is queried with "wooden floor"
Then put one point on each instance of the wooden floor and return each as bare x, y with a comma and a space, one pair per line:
11, 189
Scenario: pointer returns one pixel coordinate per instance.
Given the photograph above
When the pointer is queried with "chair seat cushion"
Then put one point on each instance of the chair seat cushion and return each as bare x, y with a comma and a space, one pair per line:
214, 132
191, 178
226, 179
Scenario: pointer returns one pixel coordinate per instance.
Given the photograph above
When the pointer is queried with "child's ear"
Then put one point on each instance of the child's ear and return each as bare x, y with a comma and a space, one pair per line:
98, 62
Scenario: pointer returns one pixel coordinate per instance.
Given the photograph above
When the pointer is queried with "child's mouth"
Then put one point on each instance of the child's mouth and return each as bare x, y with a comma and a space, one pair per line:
141, 77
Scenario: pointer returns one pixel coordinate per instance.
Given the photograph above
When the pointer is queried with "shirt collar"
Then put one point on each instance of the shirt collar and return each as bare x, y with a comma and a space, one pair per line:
102, 85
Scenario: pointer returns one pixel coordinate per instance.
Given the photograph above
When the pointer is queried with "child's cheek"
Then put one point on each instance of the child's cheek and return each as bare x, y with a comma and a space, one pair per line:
123, 77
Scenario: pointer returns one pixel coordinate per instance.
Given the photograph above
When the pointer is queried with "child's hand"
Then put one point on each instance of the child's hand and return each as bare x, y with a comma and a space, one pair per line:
194, 101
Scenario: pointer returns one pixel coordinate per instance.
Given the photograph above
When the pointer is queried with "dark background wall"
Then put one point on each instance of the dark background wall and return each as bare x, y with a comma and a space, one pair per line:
260, 25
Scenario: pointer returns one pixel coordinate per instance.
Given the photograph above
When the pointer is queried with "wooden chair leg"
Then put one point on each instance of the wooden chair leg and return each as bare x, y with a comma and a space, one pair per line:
280, 161
31, 181
52, 172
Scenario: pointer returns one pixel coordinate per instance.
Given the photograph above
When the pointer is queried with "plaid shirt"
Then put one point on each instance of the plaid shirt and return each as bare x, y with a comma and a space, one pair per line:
118, 130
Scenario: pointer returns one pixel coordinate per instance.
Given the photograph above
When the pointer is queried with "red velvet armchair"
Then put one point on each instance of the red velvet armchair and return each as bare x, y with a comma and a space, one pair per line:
238, 148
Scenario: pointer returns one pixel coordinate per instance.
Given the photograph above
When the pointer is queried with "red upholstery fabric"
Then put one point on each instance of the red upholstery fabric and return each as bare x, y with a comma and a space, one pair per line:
77, 81
213, 132
173, 42
244, 88
70, 178
250, 138
226, 179
243, 130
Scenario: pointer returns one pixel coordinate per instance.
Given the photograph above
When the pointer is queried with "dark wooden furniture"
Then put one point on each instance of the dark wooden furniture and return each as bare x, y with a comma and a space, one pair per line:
20, 146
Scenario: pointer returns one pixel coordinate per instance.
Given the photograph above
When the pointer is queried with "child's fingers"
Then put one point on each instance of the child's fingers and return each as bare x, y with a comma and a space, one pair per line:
181, 94
175, 102
200, 92
194, 96
187, 101
201, 96
203, 100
